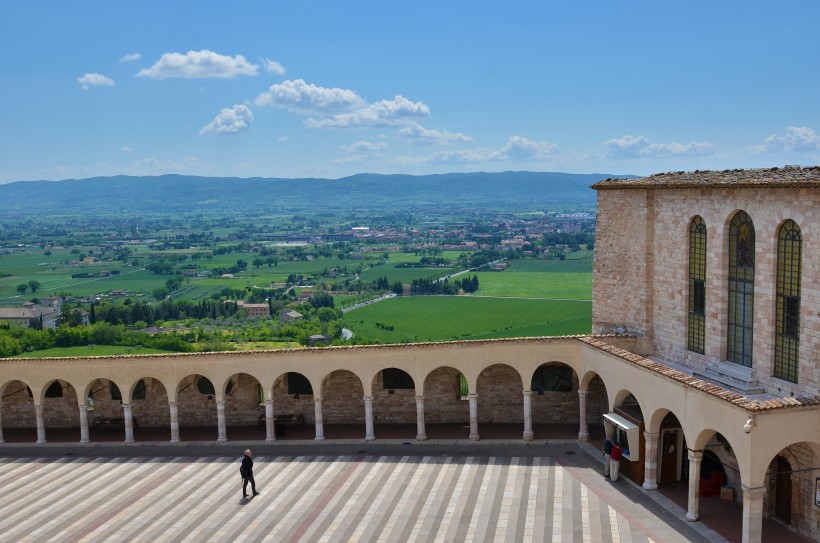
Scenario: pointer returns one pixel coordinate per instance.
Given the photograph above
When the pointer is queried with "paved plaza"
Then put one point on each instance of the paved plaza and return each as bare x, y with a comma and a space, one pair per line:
554, 493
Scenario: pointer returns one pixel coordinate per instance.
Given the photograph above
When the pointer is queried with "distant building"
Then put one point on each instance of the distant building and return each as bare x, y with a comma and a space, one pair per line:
290, 316
23, 316
254, 310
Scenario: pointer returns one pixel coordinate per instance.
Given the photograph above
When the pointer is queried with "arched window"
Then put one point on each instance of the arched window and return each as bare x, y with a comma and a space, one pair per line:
741, 289
139, 391
697, 285
787, 325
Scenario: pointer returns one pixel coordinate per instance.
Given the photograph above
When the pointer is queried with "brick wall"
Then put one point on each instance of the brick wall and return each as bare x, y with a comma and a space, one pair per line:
630, 296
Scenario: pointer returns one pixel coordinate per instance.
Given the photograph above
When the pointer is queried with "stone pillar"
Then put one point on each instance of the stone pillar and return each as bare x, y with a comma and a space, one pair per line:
41, 425
694, 485
220, 422
84, 424
174, 422
527, 415
129, 422
320, 426
270, 430
473, 417
753, 514
421, 431
368, 419
1, 422
650, 478
583, 429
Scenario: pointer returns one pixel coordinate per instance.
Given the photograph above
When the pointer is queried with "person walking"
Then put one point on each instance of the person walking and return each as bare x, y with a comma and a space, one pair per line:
246, 471
615, 461
607, 450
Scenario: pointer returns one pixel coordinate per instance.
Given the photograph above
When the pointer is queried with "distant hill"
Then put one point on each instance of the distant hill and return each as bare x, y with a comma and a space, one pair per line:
182, 193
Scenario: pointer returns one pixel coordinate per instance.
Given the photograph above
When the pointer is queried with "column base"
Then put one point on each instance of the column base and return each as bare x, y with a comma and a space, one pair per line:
690, 517
583, 436
222, 440
81, 441
175, 440
270, 440
318, 438
421, 437
129, 441
370, 438
528, 436
650, 486
473, 437
40, 441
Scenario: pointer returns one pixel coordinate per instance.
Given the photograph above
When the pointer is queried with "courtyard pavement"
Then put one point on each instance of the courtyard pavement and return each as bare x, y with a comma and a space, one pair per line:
340, 492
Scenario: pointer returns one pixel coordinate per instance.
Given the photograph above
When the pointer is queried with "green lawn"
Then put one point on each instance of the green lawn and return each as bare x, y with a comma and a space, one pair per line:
561, 279
441, 318
90, 350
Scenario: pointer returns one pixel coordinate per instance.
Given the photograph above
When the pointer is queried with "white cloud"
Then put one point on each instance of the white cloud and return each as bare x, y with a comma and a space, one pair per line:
125, 149
231, 120
393, 112
797, 139
365, 147
95, 80
418, 134
273, 67
131, 57
630, 146
199, 64
517, 149
282, 139
309, 99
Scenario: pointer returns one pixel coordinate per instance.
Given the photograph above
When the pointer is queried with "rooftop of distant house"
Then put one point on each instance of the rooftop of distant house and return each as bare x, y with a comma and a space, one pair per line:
787, 176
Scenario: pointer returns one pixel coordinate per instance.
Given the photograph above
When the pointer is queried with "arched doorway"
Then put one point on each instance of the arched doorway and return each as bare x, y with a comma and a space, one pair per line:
556, 409
783, 489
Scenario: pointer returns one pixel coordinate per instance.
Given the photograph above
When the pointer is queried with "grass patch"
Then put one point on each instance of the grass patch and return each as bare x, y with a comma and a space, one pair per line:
444, 318
90, 350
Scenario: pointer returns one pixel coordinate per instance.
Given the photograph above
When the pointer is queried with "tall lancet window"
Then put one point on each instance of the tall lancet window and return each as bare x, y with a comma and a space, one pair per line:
741, 289
787, 326
697, 285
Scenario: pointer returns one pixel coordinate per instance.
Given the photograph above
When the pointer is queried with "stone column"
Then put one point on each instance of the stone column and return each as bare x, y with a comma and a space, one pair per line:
41, 425
422, 432
650, 479
473, 417
583, 429
368, 419
270, 430
320, 426
1, 422
84, 424
527, 415
753, 514
694, 485
220, 422
129, 422
174, 422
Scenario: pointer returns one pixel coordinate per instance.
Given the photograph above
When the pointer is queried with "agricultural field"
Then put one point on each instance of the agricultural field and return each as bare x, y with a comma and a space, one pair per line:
569, 279
444, 318
90, 350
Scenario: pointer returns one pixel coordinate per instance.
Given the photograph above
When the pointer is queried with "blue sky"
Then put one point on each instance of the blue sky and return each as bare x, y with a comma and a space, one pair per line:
328, 89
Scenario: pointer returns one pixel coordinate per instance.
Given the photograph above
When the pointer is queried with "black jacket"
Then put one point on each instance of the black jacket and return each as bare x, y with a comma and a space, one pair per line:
247, 466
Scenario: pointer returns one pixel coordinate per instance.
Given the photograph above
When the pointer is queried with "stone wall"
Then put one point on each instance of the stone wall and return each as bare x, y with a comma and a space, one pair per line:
638, 273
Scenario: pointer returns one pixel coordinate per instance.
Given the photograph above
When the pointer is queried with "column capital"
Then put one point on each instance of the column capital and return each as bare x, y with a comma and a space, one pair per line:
582, 392
652, 435
420, 398
753, 493
528, 393
695, 456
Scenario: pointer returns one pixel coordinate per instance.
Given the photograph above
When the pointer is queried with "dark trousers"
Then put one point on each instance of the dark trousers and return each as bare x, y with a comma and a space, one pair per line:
245, 485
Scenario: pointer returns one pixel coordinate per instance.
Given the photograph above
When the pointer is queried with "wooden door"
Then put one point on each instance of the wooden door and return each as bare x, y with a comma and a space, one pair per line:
669, 456
783, 491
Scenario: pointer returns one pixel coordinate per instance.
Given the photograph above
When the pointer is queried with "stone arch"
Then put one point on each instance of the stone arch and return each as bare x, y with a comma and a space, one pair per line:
19, 422
196, 408
554, 387
342, 398
293, 394
153, 411
394, 397
244, 405
500, 395
794, 466
61, 413
444, 403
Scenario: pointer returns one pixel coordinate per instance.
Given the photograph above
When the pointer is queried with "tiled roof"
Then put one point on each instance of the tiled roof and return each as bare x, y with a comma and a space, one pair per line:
749, 404
788, 176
